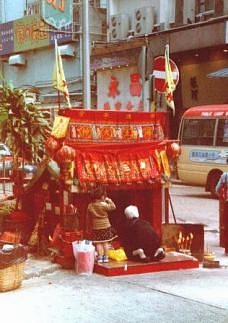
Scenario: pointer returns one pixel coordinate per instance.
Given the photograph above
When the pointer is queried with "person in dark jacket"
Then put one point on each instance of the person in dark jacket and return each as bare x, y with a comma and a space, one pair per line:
141, 242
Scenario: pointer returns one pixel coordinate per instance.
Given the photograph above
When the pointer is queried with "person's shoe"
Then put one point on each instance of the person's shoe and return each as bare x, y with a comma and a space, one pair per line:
99, 259
159, 254
105, 259
145, 259
139, 252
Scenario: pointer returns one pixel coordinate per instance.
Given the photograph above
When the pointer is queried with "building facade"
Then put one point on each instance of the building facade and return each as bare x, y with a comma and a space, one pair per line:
125, 38
196, 32
27, 52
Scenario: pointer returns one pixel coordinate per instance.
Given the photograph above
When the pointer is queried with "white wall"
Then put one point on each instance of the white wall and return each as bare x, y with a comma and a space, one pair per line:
189, 10
125, 6
225, 7
39, 69
164, 9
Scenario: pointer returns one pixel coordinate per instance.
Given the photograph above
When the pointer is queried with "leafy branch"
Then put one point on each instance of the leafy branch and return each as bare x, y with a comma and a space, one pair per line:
24, 127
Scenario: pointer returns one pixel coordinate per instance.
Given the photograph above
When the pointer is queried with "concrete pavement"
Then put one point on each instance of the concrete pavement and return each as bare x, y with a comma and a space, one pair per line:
39, 266
188, 295
36, 266
204, 289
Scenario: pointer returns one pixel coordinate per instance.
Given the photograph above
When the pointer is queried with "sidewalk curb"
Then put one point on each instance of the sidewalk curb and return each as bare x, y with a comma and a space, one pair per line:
37, 268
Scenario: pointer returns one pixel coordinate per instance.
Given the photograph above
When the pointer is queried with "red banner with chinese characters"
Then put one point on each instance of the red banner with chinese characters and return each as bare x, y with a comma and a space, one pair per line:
93, 126
115, 147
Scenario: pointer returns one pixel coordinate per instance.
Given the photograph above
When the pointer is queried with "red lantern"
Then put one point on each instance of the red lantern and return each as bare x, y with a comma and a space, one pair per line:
173, 150
52, 145
65, 153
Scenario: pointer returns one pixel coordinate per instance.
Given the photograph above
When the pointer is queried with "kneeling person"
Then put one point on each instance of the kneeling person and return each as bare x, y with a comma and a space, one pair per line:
141, 242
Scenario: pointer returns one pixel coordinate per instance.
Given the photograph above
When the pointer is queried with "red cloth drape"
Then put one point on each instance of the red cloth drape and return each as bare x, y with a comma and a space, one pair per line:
117, 164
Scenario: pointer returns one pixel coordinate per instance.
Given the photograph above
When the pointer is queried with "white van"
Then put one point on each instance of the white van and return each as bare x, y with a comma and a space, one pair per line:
203, 136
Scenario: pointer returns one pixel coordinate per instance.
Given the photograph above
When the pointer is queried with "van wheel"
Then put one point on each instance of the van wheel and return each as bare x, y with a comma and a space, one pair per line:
212, 184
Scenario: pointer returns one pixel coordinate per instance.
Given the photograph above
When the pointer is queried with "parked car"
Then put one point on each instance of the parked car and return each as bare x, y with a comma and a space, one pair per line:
6, 162
4, 150
29, 168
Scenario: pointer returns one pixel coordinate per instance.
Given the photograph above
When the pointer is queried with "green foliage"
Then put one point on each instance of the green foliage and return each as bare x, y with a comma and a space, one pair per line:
25, 127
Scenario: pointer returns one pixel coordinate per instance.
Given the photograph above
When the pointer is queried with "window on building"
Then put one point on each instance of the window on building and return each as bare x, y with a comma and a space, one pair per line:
32, 8
204, 5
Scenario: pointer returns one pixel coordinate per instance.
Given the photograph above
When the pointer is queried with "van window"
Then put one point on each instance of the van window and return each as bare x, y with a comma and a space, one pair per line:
222, 133
198, 132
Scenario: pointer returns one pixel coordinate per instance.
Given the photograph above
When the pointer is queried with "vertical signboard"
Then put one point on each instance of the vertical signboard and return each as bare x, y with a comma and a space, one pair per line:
226, 33
57, 13
120, 89
6, 38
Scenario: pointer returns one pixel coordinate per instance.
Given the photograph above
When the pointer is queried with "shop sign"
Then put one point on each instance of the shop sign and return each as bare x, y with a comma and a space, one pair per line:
57, 13
28, 33
124, 58
120, 89
6, 38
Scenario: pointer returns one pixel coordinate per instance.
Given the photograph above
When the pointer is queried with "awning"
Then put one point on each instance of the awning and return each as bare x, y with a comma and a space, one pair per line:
223, 72
111, 147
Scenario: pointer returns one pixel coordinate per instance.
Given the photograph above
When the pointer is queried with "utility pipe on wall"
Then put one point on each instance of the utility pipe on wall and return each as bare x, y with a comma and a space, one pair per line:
86, 55
143, 76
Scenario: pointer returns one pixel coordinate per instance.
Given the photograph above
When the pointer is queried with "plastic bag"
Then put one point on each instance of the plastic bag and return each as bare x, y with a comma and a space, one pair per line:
84, 253
117, 254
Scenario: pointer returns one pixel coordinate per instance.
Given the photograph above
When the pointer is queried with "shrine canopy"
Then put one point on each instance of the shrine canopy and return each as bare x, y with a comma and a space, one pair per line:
111, 147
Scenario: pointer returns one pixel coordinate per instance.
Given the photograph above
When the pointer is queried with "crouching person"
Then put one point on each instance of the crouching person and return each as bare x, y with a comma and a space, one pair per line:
141, 242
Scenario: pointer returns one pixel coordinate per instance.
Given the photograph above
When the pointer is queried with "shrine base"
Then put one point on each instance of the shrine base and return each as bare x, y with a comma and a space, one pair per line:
172, 261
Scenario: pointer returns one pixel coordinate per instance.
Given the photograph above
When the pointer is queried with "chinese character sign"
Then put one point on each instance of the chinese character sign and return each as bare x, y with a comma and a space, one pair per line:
6, 38
57, 13
120, 89
28, 33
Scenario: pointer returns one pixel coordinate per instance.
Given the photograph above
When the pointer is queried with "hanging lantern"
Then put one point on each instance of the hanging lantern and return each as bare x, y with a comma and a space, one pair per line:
65, 153
173, 150
52, 145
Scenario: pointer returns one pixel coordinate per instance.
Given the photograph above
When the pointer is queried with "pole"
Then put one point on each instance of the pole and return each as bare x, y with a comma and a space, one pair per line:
171, 205
143, 72
86, 55
59, 100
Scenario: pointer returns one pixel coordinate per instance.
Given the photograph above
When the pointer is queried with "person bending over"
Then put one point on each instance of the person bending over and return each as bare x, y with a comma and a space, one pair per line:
141, 241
